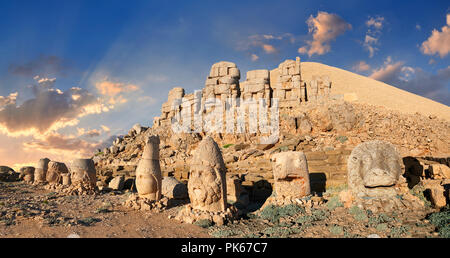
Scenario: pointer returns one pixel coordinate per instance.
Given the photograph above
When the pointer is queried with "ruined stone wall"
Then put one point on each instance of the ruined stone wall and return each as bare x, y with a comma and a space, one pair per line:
283, 83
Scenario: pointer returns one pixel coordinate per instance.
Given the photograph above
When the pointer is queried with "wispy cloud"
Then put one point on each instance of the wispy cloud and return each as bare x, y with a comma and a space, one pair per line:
375, 25
325, 28
438, 42
361, 66
415, 80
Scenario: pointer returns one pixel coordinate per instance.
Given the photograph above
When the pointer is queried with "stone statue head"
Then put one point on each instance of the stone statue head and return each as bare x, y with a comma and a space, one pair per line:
373, 167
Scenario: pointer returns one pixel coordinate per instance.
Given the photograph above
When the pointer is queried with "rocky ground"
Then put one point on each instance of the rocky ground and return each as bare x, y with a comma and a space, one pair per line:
32, 211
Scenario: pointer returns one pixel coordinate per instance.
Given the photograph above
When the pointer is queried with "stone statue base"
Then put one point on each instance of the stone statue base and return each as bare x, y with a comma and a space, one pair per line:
190, 215
401, 201
137, 202
79, 188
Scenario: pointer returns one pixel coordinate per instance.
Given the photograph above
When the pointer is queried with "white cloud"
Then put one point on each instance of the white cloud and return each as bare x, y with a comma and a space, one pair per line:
324, 28
438, 42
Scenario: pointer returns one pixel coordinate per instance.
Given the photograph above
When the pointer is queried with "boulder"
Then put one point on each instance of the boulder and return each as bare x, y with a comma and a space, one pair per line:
174, 189
117, 183
8, 174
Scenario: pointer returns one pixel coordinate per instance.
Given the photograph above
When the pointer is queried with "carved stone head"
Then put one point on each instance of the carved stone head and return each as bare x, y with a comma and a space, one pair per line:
373, 167
207, 185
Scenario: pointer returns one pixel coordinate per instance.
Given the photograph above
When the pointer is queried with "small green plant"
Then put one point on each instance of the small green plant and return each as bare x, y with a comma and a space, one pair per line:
382, 227
381, 218
227, 145
278, 231
334, 202
336, 230
204, 223
319, 214
398, 231
88, 221
341, 138
441, 220
417, 191
358, 214
223, 233
251, 235
273, 213
99, 153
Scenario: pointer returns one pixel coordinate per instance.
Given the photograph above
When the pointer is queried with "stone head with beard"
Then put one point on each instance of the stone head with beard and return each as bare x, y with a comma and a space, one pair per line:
207, 185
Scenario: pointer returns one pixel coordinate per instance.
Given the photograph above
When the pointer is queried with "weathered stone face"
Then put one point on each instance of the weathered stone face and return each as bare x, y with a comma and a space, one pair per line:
148, 171
373, 167
83, 171
290, 172
55, 171
28, 174
41, 170
207, 183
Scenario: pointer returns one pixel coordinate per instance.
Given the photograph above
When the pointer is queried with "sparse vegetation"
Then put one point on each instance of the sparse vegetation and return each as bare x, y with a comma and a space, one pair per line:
220, 233
398, 231
334, 202
336, 230
418, 191
88, 221
374, 221
273, 213
358, 214
204, 223
227, 145
441, 220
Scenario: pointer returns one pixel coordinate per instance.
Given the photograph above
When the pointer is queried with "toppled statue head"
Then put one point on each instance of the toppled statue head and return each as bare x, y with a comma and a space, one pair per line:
373, 168
290, 171
207, 182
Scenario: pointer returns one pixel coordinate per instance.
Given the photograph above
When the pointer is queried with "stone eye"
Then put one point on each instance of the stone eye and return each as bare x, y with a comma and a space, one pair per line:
355, 158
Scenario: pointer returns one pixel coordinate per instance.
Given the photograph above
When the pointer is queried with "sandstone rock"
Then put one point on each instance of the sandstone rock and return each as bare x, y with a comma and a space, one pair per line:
113, 149
117, 183
291, 175
234, 188
138, 128
373, 168
174, 189
207, 183
439, 171
346, 198
66, 179
148, 171
8, 174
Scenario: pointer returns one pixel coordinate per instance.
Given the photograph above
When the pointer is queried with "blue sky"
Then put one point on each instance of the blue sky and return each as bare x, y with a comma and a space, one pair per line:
136, 51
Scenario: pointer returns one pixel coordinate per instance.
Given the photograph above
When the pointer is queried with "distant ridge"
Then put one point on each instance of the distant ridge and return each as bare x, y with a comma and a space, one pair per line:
373, 92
